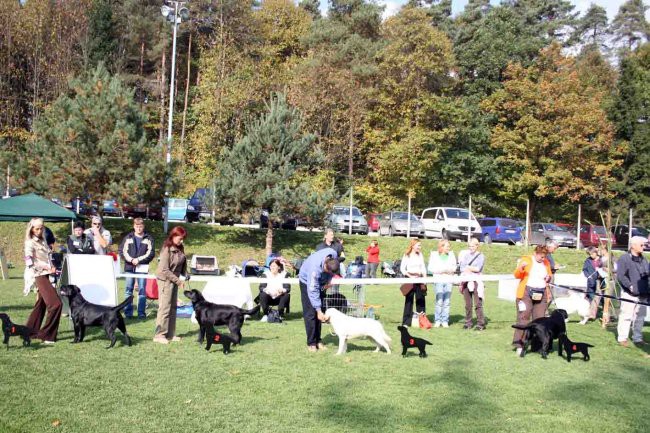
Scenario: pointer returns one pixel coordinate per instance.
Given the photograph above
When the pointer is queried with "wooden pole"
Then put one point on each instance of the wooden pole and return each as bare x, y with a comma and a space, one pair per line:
469, 220
578, 231
629, 232
408, 222
527, 222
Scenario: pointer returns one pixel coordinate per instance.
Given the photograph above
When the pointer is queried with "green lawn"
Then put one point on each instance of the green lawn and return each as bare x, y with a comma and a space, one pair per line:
471, 381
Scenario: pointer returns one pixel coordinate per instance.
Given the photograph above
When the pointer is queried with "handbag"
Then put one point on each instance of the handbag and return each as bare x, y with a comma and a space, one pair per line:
424, 321
406, 289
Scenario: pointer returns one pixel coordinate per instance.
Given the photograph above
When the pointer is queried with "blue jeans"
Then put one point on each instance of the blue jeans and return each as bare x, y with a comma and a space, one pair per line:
142, 298
443, 298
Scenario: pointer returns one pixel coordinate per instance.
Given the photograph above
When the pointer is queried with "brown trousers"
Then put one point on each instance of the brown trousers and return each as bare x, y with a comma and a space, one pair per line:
478, 305
535, 308
166, 318
46, 300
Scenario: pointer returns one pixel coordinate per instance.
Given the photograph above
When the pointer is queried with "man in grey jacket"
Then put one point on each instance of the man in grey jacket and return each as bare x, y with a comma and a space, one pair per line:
632, 274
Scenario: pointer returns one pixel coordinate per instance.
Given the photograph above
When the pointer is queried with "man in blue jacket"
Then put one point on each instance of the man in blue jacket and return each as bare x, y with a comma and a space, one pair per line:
137, 251
315, 275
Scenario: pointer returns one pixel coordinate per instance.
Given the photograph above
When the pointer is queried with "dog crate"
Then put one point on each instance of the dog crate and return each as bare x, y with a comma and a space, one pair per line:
204, 265
348, 299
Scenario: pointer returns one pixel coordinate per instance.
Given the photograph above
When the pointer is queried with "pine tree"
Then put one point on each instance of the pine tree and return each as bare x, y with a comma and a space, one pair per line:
102, 41
311, 6
268, 168
91, 142
630, 26
592, 29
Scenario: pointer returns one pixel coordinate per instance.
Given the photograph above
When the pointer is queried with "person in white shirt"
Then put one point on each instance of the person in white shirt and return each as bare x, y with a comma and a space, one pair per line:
413, 266
100, 237
442, 262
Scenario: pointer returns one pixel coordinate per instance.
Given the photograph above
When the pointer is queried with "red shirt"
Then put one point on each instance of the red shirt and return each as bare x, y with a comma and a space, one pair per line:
373, 254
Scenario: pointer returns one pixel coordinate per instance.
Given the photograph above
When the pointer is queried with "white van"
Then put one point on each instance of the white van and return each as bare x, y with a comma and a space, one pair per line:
449, 223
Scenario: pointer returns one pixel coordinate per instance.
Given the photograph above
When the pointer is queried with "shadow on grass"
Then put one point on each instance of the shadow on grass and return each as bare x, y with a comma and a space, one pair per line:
7, 308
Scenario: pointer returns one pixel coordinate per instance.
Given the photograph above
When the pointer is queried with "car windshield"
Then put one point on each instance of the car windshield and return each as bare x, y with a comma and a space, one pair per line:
600, 230
554, 228
177, 202
509, 224
640, 231
457, 213
346, 211
403, 216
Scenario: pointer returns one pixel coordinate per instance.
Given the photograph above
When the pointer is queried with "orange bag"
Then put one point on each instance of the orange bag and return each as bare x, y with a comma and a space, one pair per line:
424, 321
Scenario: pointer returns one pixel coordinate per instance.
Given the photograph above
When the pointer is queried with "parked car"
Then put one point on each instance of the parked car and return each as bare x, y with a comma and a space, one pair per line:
499, 230
144, 210
449, 223
82, 207
339, 219
112, 208
621, 235
396, 223
288, 222
569, 227
593, 236
178, 209
540, 233
373, 222
199, 207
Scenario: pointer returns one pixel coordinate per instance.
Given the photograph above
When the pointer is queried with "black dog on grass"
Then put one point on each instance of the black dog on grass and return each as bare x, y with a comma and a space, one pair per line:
570, 347
214, 337
10, 329
83, 314
209, 314
540, 333
408, 341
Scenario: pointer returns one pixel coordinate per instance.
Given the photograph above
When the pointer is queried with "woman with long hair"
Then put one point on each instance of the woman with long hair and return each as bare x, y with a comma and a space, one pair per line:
172, 265
442, 262
39, 259
413, 266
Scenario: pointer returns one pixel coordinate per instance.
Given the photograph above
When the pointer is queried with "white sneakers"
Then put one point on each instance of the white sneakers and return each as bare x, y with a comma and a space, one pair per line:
437, 325
445, 325
519, 350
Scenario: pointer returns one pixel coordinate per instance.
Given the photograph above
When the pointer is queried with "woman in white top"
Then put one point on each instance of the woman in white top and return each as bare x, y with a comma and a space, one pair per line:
442, 262
276, 290
413, 267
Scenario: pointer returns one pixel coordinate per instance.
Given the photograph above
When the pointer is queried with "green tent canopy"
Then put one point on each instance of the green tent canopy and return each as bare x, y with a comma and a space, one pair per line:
28, 206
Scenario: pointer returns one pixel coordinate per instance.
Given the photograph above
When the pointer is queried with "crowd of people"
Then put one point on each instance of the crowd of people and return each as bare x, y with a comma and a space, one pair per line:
535, 274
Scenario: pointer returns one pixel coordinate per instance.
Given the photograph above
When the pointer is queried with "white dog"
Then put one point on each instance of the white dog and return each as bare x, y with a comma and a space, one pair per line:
352, 327
575, 303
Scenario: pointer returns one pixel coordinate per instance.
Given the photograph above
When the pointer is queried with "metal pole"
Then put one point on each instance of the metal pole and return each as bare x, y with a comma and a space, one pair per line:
168, 158
527, 222
629, 232
350, 226
408, 223
469, 220
578, 231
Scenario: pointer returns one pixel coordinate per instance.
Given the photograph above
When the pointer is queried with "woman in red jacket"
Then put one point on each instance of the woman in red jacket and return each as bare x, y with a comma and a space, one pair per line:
373, 259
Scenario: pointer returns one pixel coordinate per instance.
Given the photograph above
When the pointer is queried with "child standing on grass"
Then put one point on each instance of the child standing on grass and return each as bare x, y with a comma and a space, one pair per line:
373, 259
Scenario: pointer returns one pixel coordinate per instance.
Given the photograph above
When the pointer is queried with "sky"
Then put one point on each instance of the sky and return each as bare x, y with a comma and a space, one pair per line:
392, 6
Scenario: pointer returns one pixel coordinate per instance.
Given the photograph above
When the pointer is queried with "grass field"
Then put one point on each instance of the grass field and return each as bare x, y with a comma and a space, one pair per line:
471, 381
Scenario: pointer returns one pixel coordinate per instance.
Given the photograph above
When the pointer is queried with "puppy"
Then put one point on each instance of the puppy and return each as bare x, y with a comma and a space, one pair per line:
83, 314
408, 341
540, 333
575, 303
352, 327
570, 347
214, 337
10, 329
209, 314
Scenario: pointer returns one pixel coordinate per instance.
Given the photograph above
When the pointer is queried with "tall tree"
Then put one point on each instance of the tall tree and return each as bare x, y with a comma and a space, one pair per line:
592, 28
267, 169
552, 133
91, 142
631, 116
630, 26
550, 19
102, 40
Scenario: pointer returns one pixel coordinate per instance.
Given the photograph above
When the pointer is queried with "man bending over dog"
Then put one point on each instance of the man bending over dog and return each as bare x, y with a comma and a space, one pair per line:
315, 275
534, 273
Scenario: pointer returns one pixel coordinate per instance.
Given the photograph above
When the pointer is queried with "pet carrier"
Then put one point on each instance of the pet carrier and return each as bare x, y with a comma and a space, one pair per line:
204, 265
346, 298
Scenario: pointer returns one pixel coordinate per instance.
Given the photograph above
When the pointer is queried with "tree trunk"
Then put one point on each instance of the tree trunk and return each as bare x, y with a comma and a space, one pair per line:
269, 237
161, 130
140, 87
187, 91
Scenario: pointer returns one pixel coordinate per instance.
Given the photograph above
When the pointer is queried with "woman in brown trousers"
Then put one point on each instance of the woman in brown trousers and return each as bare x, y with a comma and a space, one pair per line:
38, 259
172, 264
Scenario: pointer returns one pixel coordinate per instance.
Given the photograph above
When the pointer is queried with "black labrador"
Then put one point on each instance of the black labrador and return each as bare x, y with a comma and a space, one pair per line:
570, 348
540, 333
409, 341
209, 314
214, 337
84, 314
10, 329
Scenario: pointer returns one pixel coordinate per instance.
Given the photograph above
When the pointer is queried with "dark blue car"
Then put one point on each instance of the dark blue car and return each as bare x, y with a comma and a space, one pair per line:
500, 230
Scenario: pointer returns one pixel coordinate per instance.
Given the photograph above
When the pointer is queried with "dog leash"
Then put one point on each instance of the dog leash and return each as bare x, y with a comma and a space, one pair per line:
616, 298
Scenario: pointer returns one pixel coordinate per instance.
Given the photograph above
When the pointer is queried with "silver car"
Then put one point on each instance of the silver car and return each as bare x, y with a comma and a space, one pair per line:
540, 233
339, 219
396, 223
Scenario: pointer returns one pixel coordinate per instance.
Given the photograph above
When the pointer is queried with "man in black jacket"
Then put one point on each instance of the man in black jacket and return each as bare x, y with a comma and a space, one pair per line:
329, 241
632, 274
137, 250
79, 243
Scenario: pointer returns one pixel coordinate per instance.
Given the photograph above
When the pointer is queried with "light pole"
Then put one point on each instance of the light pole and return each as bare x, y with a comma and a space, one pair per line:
175, 15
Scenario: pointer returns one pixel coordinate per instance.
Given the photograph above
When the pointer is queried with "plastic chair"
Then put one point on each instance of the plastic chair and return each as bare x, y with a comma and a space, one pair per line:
151, 292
